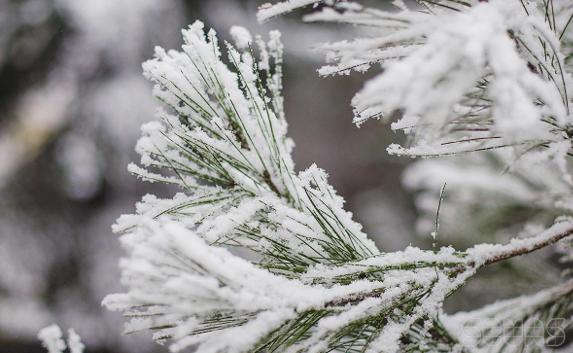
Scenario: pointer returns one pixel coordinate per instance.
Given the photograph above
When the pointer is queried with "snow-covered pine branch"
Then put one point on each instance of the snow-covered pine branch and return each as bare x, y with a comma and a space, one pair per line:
440, 82
524, 324
468, 76
463, 77
193, 293
459, 75
223, 142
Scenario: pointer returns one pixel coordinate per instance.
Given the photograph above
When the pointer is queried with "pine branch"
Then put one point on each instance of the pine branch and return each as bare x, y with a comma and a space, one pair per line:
226, 146
193, 293
316, 283
534, 323
518, 247
268, 11
487, 254
409, 45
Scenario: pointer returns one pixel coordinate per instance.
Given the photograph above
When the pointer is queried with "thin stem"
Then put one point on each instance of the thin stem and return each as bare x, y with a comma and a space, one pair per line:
517, 247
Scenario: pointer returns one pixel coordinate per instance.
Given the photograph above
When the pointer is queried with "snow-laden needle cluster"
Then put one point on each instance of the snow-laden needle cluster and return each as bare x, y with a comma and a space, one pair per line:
252, 256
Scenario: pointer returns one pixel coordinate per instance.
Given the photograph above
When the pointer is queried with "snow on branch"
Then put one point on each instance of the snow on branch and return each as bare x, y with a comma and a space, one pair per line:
223, 141
267, 10
487, 254
469, 74
195, 294
528, 323
459, 76
191, 293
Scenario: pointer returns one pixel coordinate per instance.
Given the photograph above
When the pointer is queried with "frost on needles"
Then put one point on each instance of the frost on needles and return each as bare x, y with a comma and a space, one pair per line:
252, 256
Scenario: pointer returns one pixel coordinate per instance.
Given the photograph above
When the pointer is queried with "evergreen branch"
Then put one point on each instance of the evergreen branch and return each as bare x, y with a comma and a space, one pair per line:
531, 323
190, 292
316, 283
490, 254
228, 137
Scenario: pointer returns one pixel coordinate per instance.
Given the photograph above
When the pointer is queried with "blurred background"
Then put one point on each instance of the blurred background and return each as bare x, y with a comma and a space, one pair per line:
72, 99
